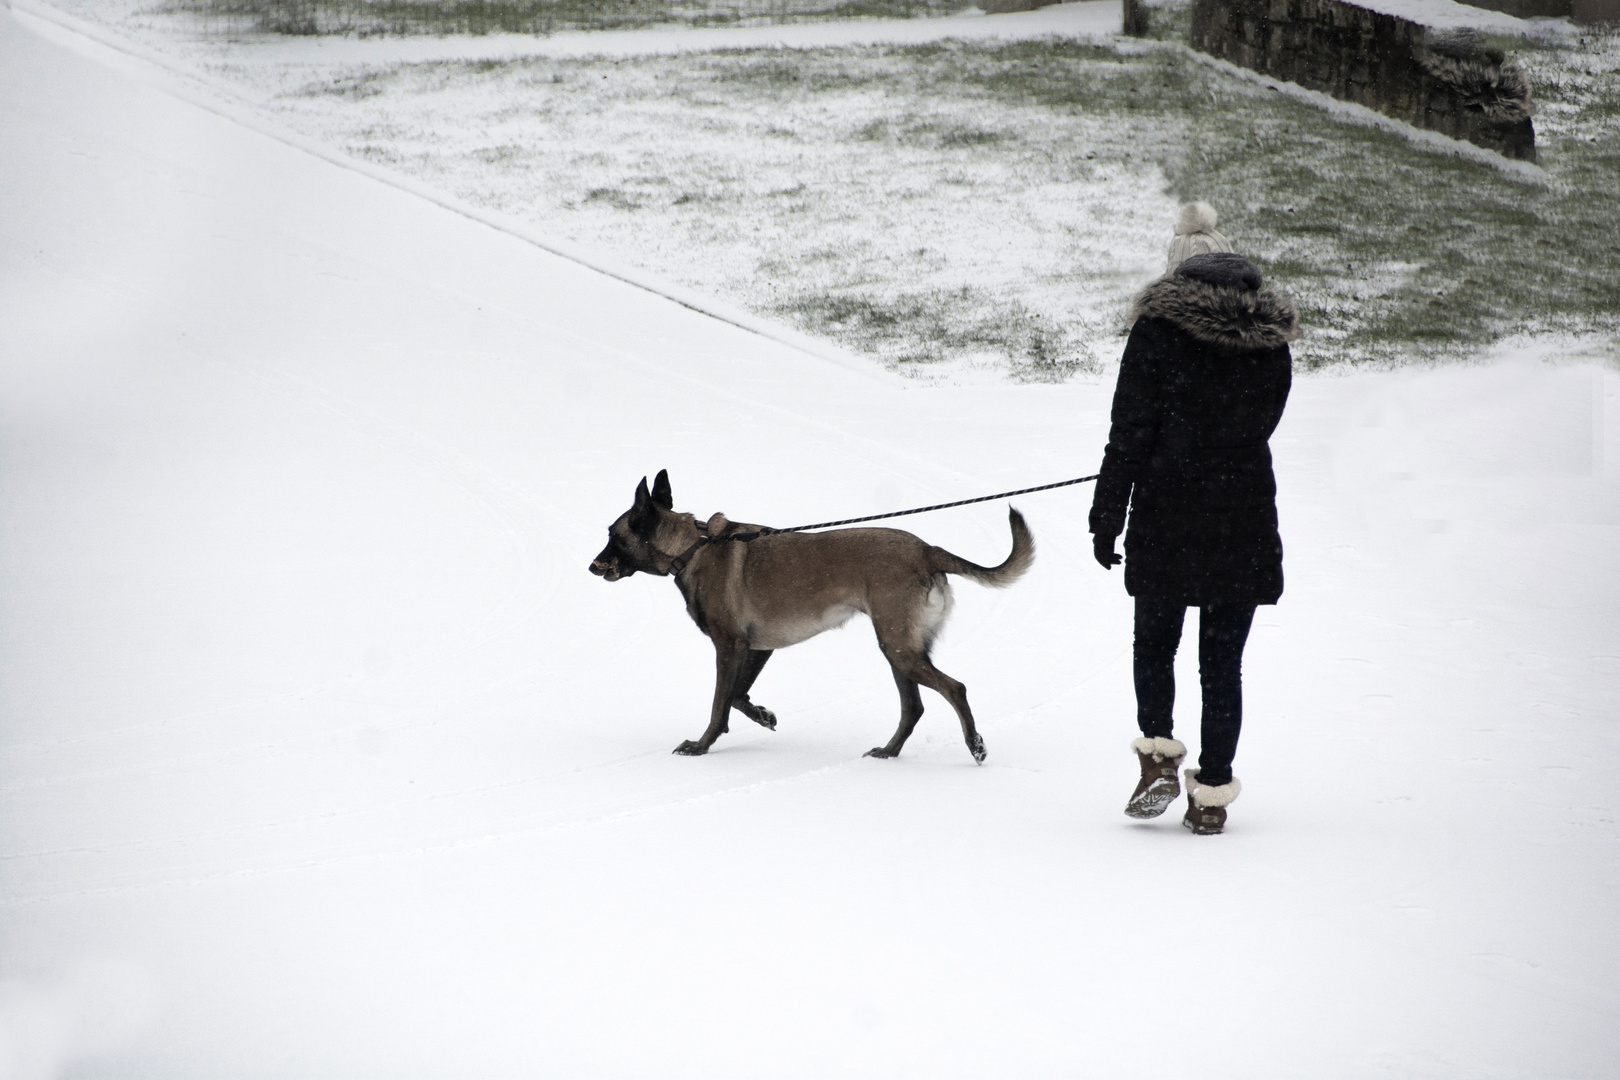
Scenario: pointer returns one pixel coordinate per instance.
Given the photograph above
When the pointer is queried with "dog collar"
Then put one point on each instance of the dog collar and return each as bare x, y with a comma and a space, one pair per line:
678, 563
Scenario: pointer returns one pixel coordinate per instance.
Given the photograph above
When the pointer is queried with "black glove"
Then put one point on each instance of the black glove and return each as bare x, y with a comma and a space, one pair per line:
1103, 547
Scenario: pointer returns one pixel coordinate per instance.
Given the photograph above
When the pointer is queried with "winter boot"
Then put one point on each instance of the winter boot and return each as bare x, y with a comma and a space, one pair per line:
1206, 804
1158, 788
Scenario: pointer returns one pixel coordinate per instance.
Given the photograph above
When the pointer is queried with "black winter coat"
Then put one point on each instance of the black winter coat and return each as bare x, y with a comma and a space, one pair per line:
1202, 385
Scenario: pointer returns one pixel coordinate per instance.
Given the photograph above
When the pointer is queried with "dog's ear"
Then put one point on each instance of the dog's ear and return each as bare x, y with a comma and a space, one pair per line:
643, 513
661, 496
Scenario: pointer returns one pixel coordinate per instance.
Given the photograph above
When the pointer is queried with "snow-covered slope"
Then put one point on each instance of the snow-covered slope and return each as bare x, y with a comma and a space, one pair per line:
323, 755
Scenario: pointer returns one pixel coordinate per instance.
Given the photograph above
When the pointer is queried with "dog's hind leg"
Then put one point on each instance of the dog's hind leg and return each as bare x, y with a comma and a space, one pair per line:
759, 714
911, 710
730, 660
920, 669
955, 693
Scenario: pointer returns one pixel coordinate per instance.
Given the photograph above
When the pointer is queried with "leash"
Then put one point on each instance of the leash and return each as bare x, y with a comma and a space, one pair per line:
766, 530
679, 562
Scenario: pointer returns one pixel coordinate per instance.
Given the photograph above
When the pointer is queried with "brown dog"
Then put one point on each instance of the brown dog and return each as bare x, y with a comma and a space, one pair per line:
752, 596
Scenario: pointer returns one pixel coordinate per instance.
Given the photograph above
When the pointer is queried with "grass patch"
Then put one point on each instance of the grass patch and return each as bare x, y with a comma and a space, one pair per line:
957, 202
918, 328
613, 197
1403, 252
478, 17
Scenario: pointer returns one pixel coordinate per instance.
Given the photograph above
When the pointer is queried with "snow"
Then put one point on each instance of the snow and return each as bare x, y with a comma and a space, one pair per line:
1073, 18
324, 755
944, 260
1049, 251
1450, 15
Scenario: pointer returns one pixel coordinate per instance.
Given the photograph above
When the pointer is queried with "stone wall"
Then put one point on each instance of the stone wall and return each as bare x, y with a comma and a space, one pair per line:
1582, 11
1450, 83
1526, 9
1003, 7
1133, 18
1595, 11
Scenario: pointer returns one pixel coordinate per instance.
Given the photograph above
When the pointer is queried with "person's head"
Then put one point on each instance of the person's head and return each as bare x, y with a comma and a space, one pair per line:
1221, 268
1195, 234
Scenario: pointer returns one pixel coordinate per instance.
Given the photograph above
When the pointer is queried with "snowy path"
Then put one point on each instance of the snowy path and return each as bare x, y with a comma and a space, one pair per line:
323, 755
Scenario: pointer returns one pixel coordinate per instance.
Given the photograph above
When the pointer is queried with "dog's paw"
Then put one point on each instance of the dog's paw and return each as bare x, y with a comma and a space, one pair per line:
766, 718
691, 749
881, 752
977, 750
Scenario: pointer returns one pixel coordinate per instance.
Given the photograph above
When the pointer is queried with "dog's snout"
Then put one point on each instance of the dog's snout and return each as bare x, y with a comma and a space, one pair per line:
606, 568
603, 564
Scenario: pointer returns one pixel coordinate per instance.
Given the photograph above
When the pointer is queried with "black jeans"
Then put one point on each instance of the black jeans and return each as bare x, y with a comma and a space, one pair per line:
1223, 630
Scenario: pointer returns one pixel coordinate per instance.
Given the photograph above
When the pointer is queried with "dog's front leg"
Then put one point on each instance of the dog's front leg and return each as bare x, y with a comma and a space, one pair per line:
730, 658
759, 714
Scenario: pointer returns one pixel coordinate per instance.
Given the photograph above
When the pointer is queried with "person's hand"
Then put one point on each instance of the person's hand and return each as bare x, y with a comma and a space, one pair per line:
1103, 548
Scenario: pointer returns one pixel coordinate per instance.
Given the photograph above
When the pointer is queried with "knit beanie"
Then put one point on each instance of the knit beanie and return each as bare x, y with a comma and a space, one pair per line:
1195, 234
1221, 268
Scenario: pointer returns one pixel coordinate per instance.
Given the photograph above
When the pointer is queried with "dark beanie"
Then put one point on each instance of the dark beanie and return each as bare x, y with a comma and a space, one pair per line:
1221, 268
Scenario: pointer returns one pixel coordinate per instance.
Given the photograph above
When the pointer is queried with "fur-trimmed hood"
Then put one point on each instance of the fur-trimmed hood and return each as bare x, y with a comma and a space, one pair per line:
1226, 315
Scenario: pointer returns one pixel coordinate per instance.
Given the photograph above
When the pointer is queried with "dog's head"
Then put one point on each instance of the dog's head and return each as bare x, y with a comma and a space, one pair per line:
630, 545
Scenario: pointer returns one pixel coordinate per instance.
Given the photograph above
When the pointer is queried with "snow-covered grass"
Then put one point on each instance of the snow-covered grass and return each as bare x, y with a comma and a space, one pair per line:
405, 17
1400, 252
940, 201
907, 203
991, 205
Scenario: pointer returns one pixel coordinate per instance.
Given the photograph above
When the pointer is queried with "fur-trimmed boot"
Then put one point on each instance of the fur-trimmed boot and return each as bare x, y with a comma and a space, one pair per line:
1206, 804
1158, 788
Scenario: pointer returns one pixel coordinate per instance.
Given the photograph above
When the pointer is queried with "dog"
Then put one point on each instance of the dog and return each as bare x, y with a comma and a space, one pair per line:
753, 592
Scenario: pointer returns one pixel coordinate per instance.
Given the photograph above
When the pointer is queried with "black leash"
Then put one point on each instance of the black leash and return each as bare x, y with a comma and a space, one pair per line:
768, 531
679, 562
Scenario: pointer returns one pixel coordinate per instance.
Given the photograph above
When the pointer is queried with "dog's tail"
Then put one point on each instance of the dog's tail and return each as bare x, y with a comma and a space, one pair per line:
998, 577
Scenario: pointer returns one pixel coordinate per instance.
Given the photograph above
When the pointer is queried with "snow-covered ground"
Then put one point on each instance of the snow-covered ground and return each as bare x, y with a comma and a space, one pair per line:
969, 201
323, 755
1074, 18
929, 225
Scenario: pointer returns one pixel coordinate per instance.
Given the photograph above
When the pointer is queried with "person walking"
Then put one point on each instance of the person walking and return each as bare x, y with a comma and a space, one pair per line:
1202, 384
